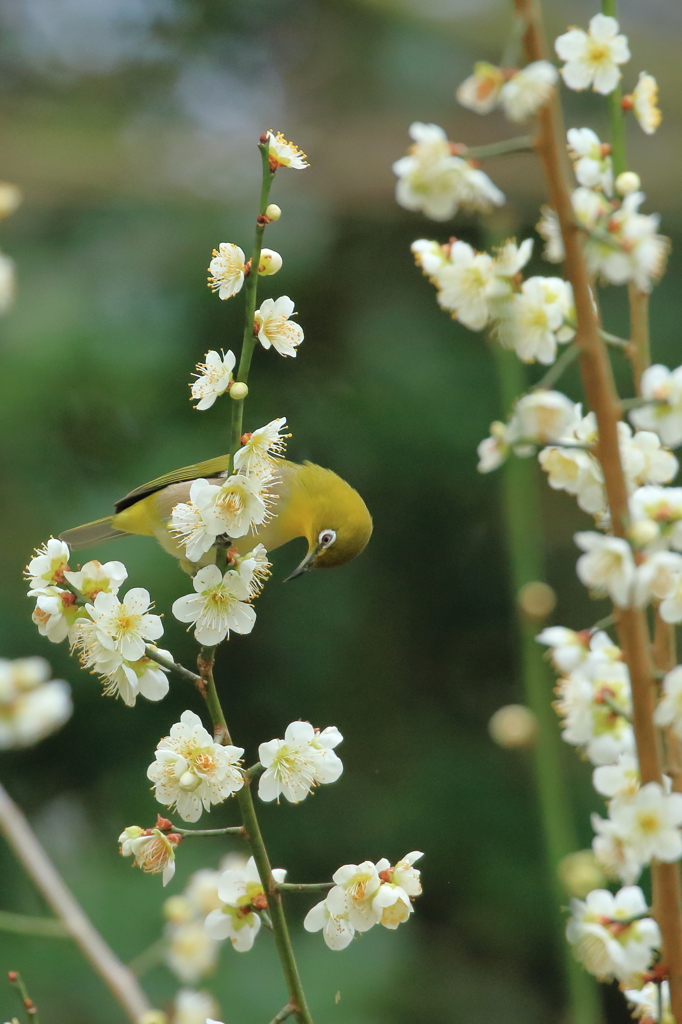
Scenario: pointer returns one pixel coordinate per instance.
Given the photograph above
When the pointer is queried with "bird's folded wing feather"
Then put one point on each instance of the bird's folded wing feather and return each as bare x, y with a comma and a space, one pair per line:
212, 467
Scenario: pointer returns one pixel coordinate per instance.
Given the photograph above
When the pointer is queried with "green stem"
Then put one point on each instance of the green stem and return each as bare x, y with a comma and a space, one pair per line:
237, 830
519, 144
24, 924
171, 665
287, 1011
257, 846
304, 886
279, 925
568, 356
523, 527
250, 298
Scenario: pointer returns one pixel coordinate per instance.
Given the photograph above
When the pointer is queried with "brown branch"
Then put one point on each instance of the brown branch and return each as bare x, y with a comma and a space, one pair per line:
602, 397
638, 351
121, 982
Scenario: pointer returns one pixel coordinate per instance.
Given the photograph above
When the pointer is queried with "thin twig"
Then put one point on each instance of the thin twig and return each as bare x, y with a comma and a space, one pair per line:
25, 924
519, 144
30, 1008
568, 356
236, 830
171, 665
304, 886
33, 858
283, 1014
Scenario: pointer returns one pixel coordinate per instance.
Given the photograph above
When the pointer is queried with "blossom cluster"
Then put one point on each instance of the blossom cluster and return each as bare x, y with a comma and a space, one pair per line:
520, 93
364, 895
32, 704
532, 317
236, 503
437, 179
109, 634
613, 936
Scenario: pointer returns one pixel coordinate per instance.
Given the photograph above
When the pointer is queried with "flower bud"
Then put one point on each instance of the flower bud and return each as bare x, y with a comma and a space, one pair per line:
273, 212
189, 781
579, 873
537, 599
238, 391
644, 532
628, 182
270, 262
513, 726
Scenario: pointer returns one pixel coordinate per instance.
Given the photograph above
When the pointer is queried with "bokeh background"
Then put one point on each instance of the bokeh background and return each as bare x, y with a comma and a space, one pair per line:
130, 126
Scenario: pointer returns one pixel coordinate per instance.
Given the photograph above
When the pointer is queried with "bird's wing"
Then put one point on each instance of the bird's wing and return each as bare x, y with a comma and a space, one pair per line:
212, 467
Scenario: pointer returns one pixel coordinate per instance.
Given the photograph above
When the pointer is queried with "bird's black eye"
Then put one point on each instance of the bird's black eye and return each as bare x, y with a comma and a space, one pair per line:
326, 538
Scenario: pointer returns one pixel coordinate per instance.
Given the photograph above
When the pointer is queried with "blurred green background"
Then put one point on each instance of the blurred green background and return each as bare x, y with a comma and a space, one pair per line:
130, 126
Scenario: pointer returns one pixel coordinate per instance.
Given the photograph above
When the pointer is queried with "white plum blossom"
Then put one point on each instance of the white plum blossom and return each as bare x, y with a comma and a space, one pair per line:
480, 92
152, 850
650, 822
303, 759
658, 576
435, 181
130, 679
241, 895
32, 705
218, 605
595, 703
261, 448
191, 771
668, 712
399, 883
613, 852
275, 328
569, 649
214, 377
254, 568
284, 154
607, 567
227, 270
190, 952
240, 504
606, 939
670, 608
648, 1001
661, 506
542, 417
524, 93
535, 319
192, 522
576, 472
493, 451
124, 626
644, 101
330, 916
46, 568
663, 388
591, 161
360, 883
620, 780
55, 613
94, 578
593, 57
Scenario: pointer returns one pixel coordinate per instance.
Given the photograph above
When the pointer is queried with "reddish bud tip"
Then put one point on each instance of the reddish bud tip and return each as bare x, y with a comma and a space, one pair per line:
385, 876
605, 148
262, 219
174, 838
13, 977
163, 824
244, 438
263, 139
260, 901
29, 1005
627, 102
232, 555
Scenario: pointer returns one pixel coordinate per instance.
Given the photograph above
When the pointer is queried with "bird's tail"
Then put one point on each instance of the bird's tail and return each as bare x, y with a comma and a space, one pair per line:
91, 533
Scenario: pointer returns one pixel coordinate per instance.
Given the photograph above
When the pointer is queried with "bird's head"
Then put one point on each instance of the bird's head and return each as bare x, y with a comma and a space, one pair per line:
334, 519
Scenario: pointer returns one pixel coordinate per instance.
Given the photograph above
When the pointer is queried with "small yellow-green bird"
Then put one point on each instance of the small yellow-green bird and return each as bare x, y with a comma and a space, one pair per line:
311, 502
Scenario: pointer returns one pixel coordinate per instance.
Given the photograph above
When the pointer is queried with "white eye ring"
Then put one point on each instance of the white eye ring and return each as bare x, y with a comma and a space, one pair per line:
326, 538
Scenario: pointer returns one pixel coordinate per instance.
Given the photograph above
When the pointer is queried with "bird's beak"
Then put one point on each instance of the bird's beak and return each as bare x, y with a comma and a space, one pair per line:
305, 565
